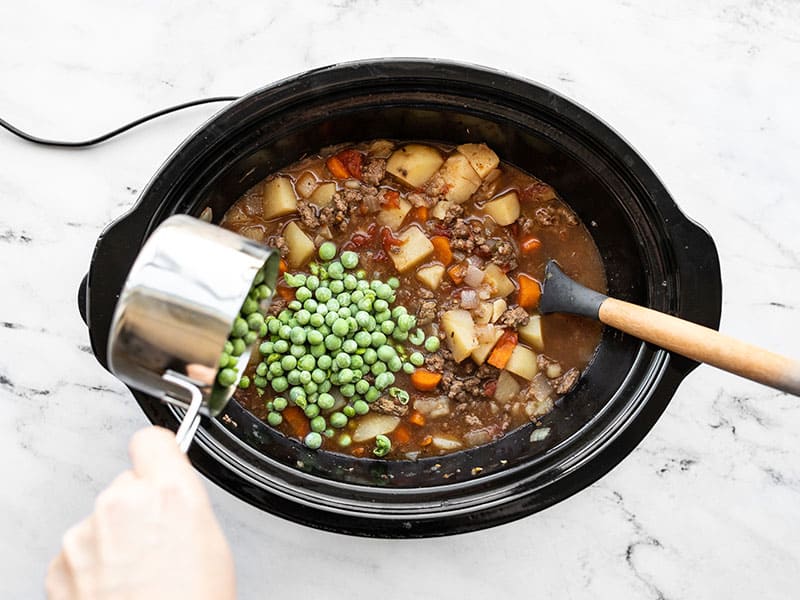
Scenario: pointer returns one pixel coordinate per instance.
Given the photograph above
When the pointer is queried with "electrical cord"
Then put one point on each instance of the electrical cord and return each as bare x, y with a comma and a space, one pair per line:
107, 136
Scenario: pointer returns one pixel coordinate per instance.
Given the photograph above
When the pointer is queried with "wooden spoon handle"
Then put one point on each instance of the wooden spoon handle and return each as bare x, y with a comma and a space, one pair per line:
703, 344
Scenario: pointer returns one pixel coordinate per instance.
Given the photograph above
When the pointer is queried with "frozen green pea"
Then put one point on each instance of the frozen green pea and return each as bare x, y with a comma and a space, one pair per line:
365, 304
276, 369
266, 348
298, 335
378, 339
342, 359
228, 348
347, 390
317, 350
356, 295
349, 282
223, 359
408, 368
305, 377
294, 280
349, 259
386, 353
360, 407
383, 445
370, 356
322, 309
344, 300
399, 335
362, 385
250, 337
301, 403
297, 350
337, 287
332, 342
239, 327
263, 292
273, 325
312, 282
254, 321
362, 339
316, 320
324, 362
349, 346
303, 316
417, 337
293, 377
333, 305
387, 327
311, 388
344, 313
281, 346
393, 282
346, 375
335, 270
349, 411
323, 294
384, 380
311, 411
238, 347
432, 344
288, 362
285, 332
284, 316
318, 424
372, 394
274, 418
395, 364
249, 306
244, 382
302, 294
260, 382
416, 359
279, 384
356, 362
261, 369
314, 337
325, 401
399, 311
313, 439
327, 250
338, 420
294, 305
378, 368
306, 363
380, 305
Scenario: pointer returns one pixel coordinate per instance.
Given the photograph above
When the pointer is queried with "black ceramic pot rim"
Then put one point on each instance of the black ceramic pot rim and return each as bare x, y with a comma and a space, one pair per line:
218, 454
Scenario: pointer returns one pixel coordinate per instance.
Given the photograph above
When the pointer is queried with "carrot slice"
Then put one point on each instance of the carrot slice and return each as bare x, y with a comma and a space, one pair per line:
457, 272
416, 418
337, 168
503, 349
426, 441
282, 267
401, 435
529, 291
441, 249
530, 244
351, 159
391, 199
425, 380
420, 214
297, 420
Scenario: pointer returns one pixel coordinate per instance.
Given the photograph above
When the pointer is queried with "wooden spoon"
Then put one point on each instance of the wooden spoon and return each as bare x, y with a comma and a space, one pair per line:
562, 294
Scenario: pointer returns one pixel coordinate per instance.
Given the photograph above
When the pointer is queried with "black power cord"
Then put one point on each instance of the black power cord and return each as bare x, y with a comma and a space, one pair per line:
107, 136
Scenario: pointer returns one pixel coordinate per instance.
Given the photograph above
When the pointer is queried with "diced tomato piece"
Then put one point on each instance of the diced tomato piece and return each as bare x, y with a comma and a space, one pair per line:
352, 160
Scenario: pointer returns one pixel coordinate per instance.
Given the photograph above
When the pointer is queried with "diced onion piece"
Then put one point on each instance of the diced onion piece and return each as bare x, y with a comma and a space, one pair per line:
507, 388
323, 195
540, 388
279, 199
433, 407
522, 362
477, 437
481, 157
414, 164
207, 215
416, 247
474, 276
446, 443
460, 333
469, 299
504, 209
539, 434
439, 211
372, 424
531, 333
301, 248
305, 184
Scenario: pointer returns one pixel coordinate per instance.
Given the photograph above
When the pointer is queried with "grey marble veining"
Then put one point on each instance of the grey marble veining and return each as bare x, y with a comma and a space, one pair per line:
708, 506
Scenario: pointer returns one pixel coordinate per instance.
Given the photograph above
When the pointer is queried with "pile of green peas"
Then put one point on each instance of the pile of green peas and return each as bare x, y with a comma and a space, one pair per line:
248, 327
341, 331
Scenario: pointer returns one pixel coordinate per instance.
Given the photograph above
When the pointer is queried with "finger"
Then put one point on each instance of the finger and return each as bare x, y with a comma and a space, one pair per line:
156, 456
59, 584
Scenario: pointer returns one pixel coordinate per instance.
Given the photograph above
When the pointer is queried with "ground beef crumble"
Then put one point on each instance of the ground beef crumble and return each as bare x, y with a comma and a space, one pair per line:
387, 405
514, 316
373, 171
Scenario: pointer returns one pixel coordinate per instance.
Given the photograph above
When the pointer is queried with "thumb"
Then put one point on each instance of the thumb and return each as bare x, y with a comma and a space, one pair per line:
155, 456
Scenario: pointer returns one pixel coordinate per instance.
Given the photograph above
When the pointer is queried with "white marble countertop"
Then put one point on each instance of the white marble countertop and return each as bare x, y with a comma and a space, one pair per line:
708, 506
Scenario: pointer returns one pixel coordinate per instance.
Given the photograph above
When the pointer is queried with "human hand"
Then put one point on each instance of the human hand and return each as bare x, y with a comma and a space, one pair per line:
152, 535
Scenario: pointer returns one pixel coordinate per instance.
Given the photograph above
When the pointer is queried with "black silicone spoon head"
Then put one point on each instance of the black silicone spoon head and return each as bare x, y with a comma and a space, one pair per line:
560, 293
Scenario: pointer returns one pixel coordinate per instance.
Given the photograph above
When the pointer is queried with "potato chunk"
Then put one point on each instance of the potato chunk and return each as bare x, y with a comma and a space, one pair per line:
323, 195
439, 211
499, 283
460, 332
503, 209
393, 217
414, 164
531, 333
415, 248
279, 199
481, 157
374, 424
460, 178
522, 363
301, 248
305, 184
481, 353
431, 277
